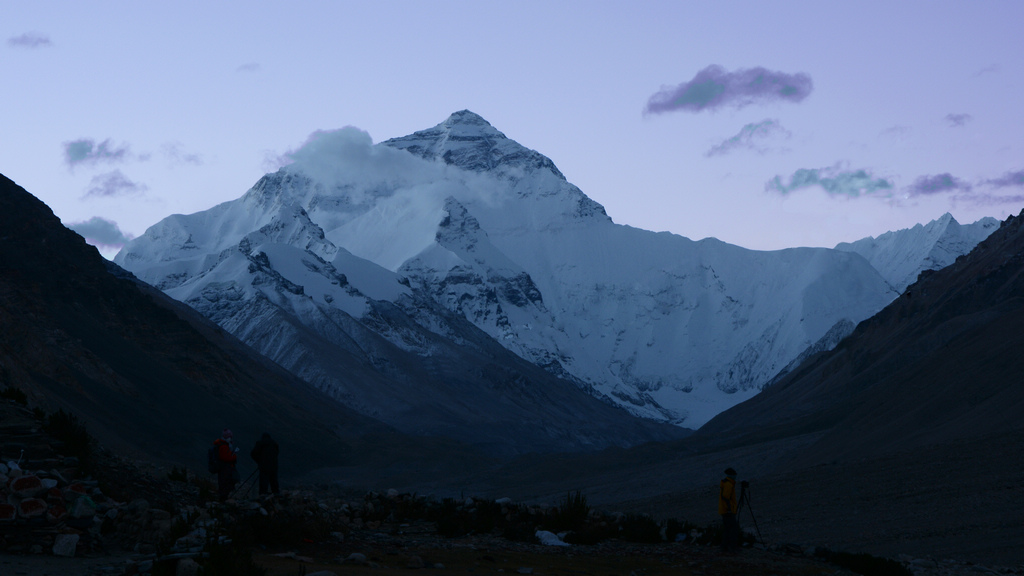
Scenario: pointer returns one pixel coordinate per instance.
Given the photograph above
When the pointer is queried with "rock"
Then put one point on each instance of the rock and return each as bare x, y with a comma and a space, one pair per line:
415, 563
322, 573
83, 507
74, 491
524, 570
65, 545
56, 513
549, 538
188, 567
137, 506
31, 508
356, 558
28, 486
503, 501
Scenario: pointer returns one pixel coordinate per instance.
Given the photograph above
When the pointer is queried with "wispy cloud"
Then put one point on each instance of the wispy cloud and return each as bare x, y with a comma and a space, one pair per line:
249, 67
835, 181
750, 137
897, 132
992, 69
101, 232
174, 151
113, 184
713, 88
1015, 179
957, 120
87, 151
29, 40
938, 184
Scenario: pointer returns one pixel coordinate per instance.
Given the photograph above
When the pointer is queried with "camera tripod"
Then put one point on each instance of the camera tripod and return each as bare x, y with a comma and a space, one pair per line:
745, 499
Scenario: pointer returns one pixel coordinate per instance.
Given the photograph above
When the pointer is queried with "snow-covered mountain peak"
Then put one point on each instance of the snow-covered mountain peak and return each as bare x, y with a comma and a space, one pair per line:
458, 233
901, 255
469, 142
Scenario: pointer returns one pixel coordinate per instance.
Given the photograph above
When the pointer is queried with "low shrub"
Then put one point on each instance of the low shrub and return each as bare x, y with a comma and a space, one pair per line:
12, 393
639, 528
178, 475
571, 514
66, 428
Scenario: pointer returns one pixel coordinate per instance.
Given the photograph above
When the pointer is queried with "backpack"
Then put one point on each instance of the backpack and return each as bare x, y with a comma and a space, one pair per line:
213, 459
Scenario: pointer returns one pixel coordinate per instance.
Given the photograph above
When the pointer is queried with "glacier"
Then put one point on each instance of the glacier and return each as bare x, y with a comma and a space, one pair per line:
460, 220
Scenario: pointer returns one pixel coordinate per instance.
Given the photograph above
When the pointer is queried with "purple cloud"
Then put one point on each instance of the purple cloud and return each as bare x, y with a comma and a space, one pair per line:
113, 184
714, 88
87, 151
1007, 180
29, 40
101, 232
938, 184
957, 120
249, 67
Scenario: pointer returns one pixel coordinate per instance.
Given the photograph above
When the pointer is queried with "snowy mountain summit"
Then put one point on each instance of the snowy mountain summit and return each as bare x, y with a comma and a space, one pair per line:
435, 240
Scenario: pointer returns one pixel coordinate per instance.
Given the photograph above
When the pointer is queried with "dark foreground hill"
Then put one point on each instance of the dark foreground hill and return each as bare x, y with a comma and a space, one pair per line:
151, 378
907, 438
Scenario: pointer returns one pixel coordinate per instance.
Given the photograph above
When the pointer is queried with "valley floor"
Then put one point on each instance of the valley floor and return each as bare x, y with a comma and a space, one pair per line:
963, 501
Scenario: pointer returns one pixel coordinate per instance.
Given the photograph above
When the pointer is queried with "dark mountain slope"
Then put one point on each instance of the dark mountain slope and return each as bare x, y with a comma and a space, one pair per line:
905, 439
151, 377
941, 363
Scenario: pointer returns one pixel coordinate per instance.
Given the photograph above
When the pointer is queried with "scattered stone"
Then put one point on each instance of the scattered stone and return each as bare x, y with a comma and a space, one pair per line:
356, 558
415, 563
188, 567
65, 545
549, 538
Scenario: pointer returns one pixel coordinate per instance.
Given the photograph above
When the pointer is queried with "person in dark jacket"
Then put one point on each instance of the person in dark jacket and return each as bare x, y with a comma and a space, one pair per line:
265, 454
227, 475
728, 507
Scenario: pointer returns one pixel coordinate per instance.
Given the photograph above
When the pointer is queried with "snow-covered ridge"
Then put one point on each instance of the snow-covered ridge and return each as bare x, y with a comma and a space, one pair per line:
901, 255
461, 218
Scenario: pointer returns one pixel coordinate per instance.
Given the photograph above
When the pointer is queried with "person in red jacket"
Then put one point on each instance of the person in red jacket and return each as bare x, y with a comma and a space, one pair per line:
728, 507
227, 476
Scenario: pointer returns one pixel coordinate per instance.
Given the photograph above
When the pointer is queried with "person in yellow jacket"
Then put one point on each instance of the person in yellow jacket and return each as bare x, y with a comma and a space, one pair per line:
728, 507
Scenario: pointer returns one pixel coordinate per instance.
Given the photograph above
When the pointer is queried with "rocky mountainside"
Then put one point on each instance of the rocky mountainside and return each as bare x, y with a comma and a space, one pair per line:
463, 232
506, 405
150, 377
938, 364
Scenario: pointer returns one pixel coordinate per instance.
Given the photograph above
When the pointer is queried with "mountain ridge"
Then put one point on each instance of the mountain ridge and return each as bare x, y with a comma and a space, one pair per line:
664, 327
